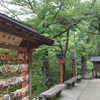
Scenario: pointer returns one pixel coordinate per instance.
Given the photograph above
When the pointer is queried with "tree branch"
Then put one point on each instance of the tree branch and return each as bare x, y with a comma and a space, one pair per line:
31, 7
46, 25
58, 42
57, 11
62, 32
93, 4
72, 24
96, 27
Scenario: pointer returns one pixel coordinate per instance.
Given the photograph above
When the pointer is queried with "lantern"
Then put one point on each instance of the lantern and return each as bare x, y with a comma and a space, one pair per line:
61, 58
61, 61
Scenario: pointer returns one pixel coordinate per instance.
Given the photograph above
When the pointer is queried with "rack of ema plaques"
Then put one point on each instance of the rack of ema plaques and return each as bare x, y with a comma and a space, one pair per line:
14, 78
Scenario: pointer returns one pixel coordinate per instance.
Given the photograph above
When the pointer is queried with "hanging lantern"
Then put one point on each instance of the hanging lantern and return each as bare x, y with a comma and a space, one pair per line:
61, 58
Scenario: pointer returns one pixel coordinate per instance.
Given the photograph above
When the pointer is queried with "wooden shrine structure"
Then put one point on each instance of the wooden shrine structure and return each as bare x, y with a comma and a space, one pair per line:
96, 65
22, 38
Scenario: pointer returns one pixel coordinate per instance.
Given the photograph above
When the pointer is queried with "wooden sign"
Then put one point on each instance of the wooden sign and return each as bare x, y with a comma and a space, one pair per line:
11, 39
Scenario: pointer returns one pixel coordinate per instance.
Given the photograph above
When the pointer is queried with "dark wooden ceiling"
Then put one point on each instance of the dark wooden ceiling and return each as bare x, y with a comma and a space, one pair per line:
30, 37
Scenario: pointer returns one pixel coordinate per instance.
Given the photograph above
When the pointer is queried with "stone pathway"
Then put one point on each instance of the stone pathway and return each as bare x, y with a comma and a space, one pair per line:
92, 91
85, 90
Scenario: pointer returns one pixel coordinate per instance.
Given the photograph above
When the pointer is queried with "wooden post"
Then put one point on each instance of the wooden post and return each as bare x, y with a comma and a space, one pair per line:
30, 73
61, 73
73, 68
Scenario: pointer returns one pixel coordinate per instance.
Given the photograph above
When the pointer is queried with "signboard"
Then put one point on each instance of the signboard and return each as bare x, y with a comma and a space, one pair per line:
11, 39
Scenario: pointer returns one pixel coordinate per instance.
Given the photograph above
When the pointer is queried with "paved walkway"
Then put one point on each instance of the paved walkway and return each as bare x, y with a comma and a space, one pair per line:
85, 90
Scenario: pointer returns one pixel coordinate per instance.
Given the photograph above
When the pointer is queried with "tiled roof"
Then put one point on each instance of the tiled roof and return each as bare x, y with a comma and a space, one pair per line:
95, 58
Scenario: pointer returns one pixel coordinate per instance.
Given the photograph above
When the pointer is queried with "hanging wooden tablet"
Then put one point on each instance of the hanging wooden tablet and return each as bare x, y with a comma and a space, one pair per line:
23, 91
12, 95
3, 71
12, 69
24, 67
13, 81
19, 69
8, 82
4, 88
8, 69
1, 97
3, 57
7, 55
18, 93
27, 78
14, 57
11, 57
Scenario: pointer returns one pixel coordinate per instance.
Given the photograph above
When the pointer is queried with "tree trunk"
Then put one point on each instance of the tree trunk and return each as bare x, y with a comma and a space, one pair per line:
46, 70
83, 65
64, 72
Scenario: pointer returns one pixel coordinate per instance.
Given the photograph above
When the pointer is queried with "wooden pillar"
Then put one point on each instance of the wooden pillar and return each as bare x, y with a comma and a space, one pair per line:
30, 73
61, 73
73, 68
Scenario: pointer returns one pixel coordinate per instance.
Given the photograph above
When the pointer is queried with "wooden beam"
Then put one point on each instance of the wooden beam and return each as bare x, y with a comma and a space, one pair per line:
8, 46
